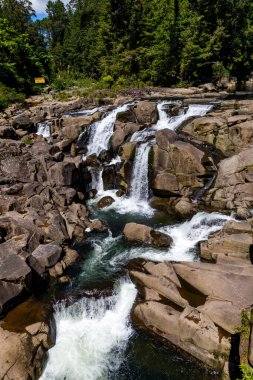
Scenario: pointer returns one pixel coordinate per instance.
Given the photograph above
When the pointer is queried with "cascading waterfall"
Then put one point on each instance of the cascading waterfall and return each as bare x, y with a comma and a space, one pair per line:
44, 129
92, 335
101, 131
139, 184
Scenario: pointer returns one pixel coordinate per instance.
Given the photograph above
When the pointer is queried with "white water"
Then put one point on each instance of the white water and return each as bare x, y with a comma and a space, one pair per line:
44, 129
101, 131
92, 335
139, 183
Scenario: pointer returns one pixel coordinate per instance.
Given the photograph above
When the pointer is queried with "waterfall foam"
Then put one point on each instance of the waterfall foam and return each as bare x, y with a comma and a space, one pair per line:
101, 131
44, 129
92, 335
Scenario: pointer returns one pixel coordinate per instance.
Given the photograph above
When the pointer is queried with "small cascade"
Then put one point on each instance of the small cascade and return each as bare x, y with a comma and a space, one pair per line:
139, 185
97, 179
194, 110
101, 131
44, 129
92, 335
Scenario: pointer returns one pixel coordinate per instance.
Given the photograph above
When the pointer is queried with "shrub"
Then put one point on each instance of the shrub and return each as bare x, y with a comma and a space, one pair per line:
9, 96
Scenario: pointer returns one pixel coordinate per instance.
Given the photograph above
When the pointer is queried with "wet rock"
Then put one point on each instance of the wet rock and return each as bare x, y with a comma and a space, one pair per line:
120, 193
139, 233
105, 202
98, 226
146, 112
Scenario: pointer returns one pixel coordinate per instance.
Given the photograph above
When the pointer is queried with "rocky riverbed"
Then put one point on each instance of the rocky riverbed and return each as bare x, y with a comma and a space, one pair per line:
68, 167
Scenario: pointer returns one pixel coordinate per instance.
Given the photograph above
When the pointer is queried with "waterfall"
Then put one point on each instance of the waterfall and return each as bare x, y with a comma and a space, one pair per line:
44, 129
97, 179
101, 131
92, 335
139, 185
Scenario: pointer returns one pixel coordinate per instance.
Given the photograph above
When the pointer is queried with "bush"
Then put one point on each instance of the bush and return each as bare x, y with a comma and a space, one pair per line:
9, 96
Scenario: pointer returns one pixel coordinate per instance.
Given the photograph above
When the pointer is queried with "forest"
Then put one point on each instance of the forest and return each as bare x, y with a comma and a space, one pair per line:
126, 42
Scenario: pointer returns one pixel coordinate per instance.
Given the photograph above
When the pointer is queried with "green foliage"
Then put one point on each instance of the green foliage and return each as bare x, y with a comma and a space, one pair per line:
247, 372
8, 96
110, 44
23, 53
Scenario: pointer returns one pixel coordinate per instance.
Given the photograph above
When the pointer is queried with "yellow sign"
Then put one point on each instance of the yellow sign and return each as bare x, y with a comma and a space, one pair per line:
40, 80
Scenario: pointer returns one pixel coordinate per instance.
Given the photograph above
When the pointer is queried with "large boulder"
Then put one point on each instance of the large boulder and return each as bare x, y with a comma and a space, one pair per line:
194, 306
146, 112
44, 257
178, 167
105, 202
141, 234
